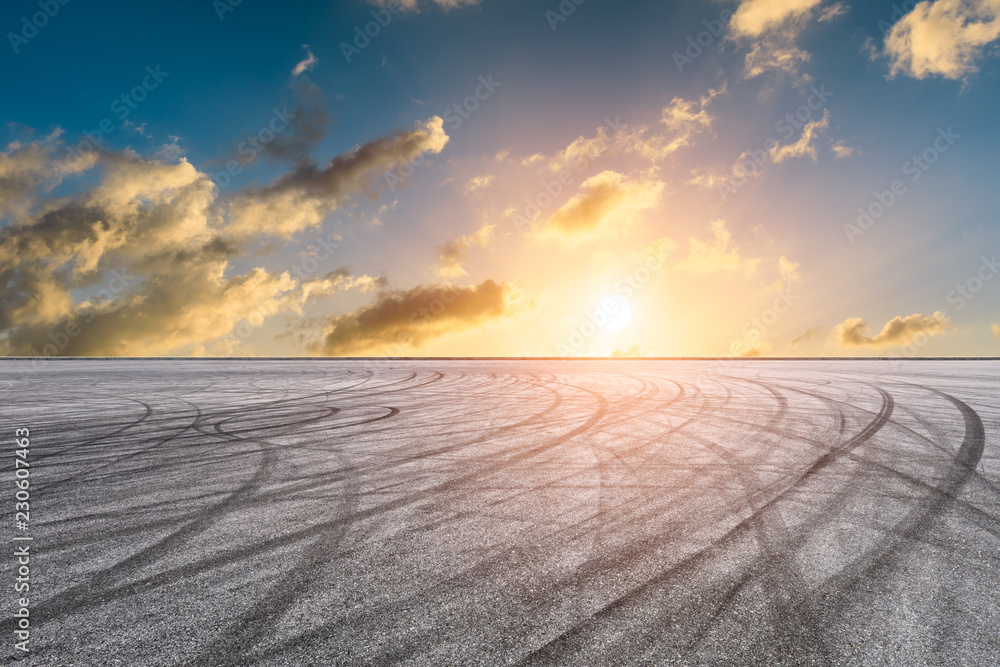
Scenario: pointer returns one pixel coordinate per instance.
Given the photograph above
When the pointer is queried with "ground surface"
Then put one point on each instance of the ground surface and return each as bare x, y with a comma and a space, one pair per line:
508, 512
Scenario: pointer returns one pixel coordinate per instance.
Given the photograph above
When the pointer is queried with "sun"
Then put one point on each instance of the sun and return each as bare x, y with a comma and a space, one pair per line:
617, 312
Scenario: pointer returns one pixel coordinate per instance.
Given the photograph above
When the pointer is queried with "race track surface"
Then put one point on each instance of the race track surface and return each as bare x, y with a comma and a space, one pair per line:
319, 512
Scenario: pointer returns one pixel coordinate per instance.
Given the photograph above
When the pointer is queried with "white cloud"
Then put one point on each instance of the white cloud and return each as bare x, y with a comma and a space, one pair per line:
943, 38
755, 17
307, 64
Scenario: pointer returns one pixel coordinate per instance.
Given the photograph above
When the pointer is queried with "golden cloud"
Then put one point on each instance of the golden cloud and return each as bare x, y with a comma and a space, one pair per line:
942, 38
408, 319
804, 145
855, 332
299, 199
754, 17
718, 255
608, 204
149, 246
454, 252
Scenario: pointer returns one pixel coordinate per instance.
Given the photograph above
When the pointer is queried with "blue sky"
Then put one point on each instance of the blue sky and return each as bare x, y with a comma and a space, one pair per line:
455, 234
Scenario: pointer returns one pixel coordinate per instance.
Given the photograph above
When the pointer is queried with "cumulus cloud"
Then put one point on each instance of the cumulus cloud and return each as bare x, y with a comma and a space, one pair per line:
855, 332
413, 317
608, 203
755, 17
166, 315
453, 253
299, 199
771, 28
32, 168
805, 144
718, 255
943, 38
137, 261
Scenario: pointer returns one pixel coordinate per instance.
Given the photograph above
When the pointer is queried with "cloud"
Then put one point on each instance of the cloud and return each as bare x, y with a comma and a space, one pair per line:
855, 332
842, 151
996, 330
833, 11
339, 280
478, 183
416, 5
453, 253
299, 199
413, 317
772, 27
750, 344
166, 315
806, 337
774, 55
307, 64
755, 17
307, 125
685, 118
137, 262
943, 38
635, 350
30, 169
608, 204
804, 145
681, 118
717, 255
788, 274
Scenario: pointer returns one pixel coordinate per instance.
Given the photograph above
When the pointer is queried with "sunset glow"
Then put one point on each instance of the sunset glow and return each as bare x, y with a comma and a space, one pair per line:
759, 178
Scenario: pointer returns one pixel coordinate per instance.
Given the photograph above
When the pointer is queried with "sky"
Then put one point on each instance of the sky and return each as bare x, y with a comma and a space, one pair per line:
500, 178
